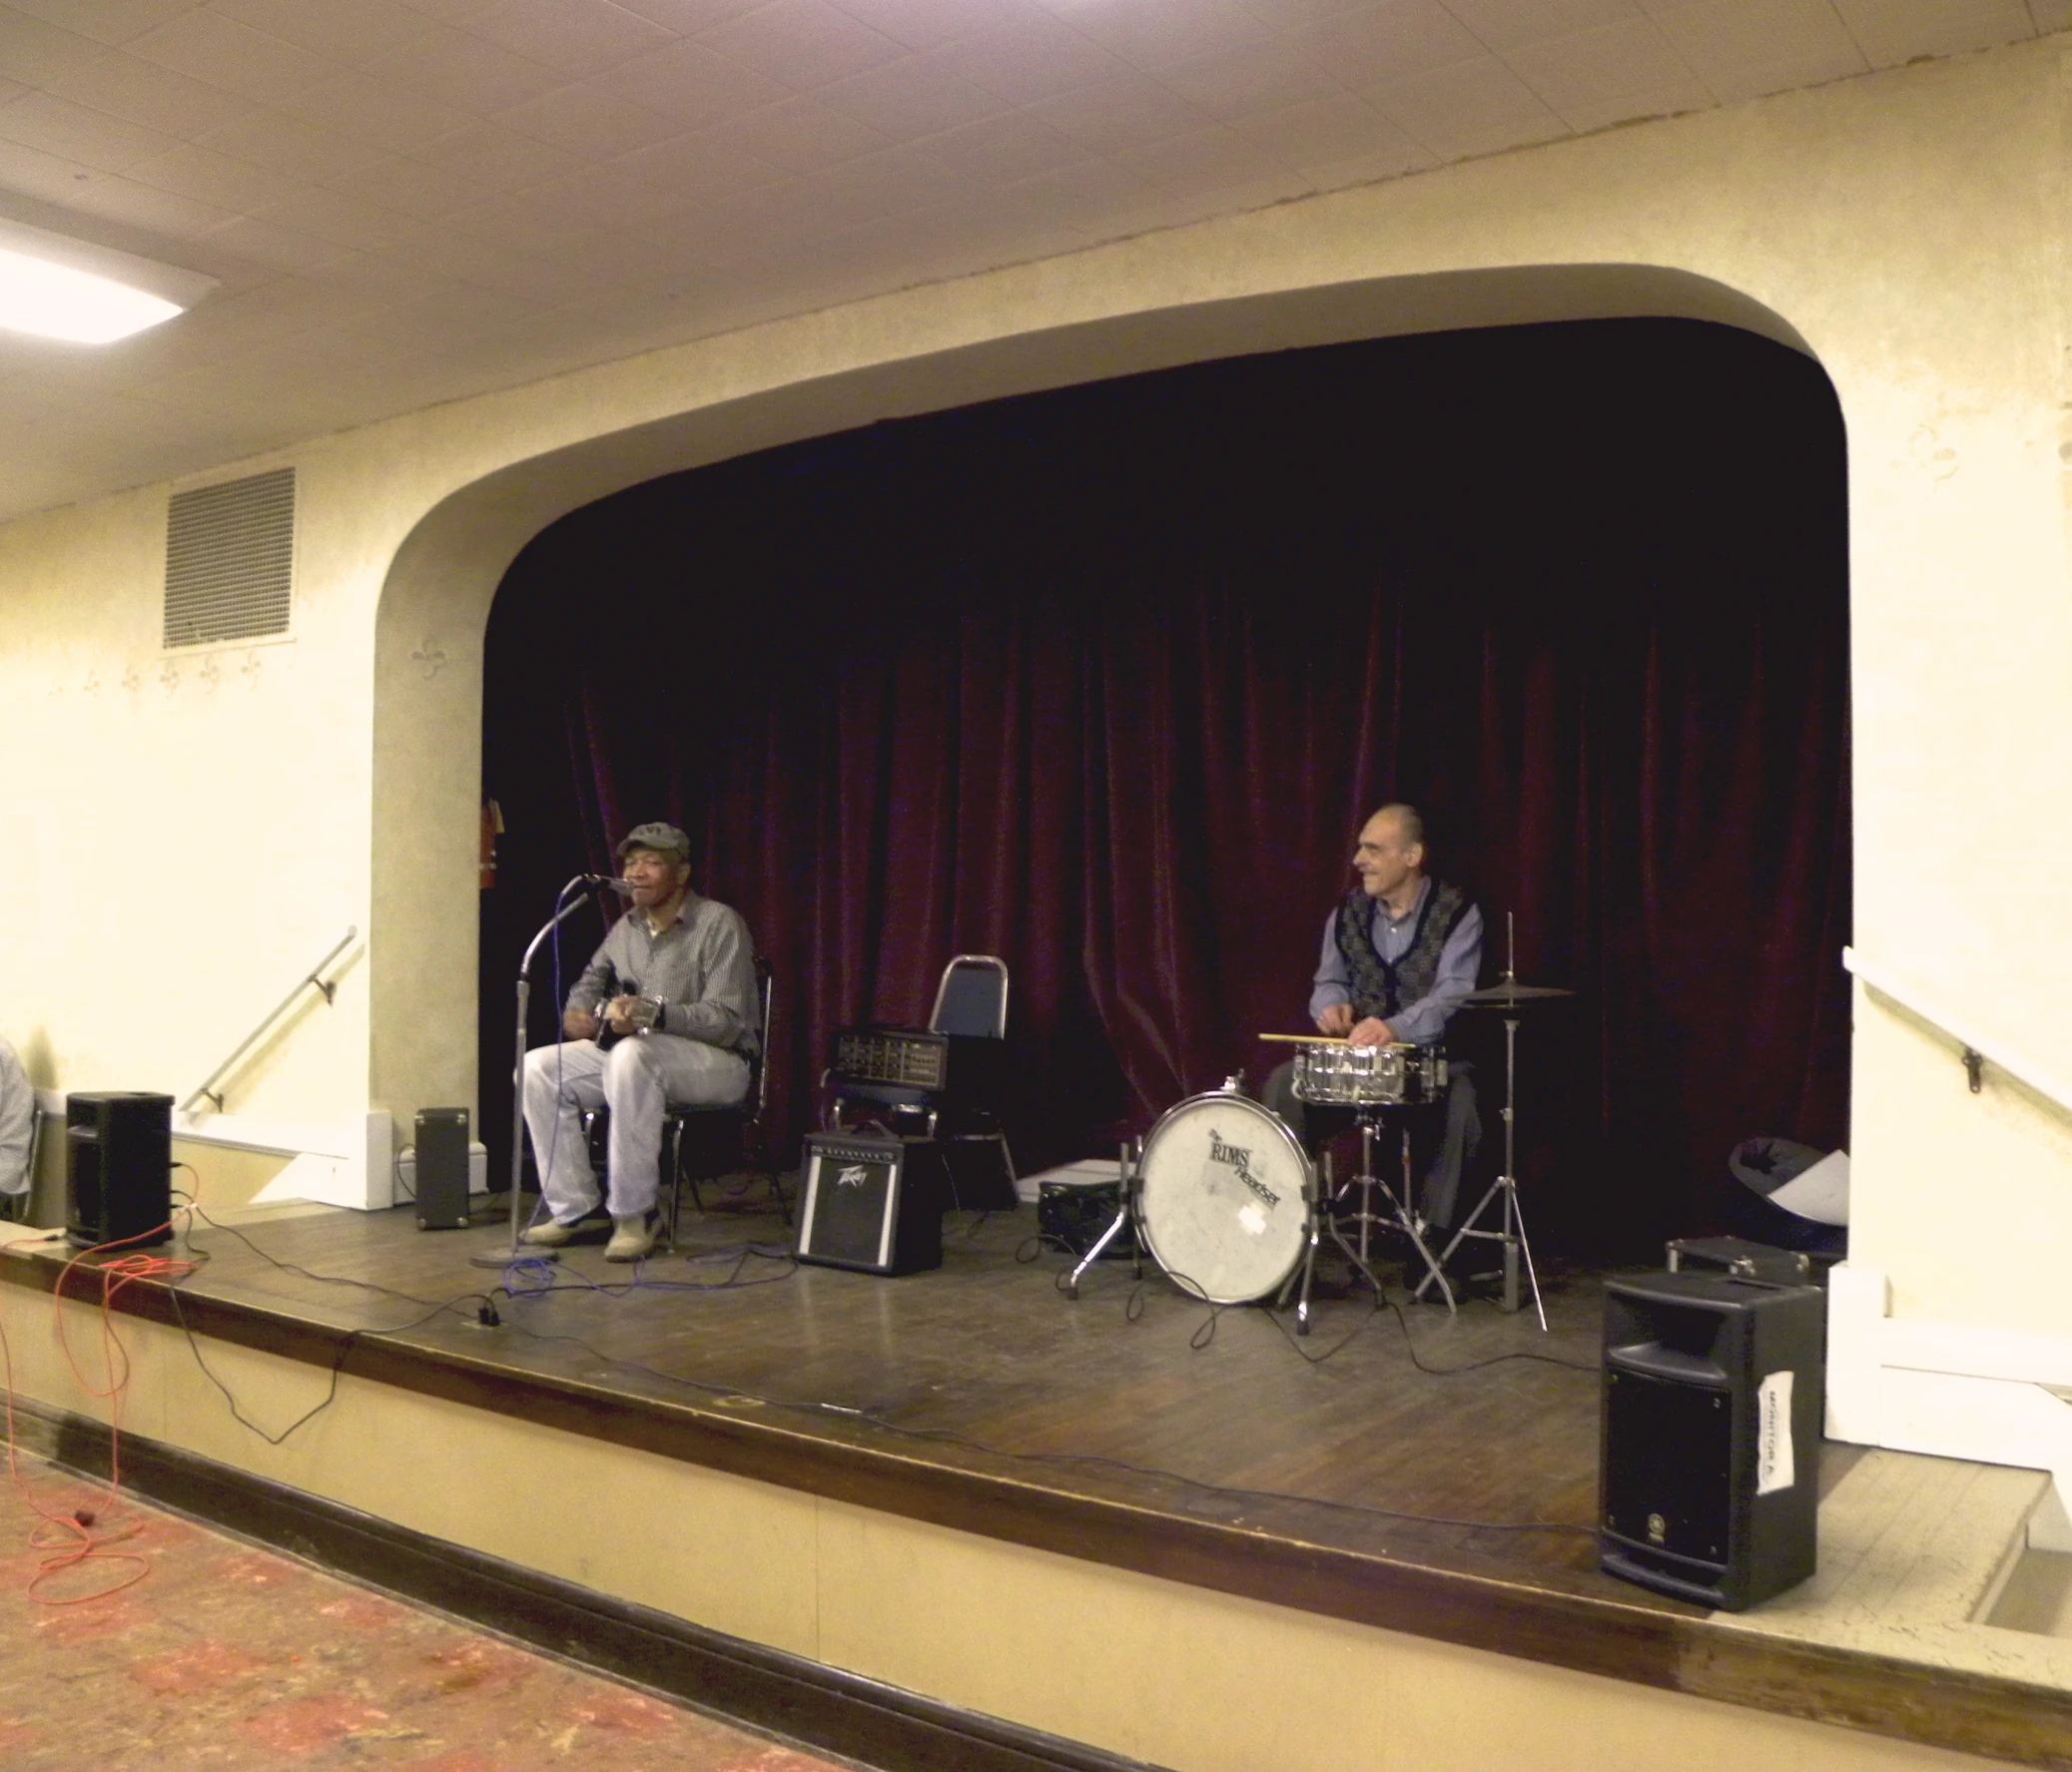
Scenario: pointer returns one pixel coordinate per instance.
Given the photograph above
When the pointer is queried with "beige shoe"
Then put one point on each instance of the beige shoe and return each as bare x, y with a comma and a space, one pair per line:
631, 1239
547, 1233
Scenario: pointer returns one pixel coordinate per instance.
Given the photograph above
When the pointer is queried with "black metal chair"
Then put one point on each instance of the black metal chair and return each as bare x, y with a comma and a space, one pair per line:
705, 1143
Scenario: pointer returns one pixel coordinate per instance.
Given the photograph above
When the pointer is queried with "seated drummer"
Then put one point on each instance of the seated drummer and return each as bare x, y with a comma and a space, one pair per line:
1400, 953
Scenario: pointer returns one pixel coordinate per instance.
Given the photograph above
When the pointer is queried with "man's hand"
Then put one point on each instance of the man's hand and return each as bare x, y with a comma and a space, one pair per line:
1373, 1032
619, 1012
579, 1025
1337, 1020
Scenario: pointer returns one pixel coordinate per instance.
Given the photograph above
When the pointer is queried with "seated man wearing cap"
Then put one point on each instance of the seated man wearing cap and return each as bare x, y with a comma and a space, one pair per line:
675, 987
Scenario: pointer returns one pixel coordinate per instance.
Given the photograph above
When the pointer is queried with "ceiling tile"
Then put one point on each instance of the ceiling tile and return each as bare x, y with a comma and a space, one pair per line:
30, 171
688, 17
590, 120
1608, 75
922, 24
334, 216
771, 219
462, 71
893, 182
106, 21
1073, 196
1151, 33
698, 170
350, 31
629, 263
908, 98
392, 117
577, 37
693, 86
1127, 112
12, 89
1892, 32
219, 51
1504, 25
1473, 108
118, 199
800, 135
1370, 169
38, 54
1325, 129
1210, 159
265, 242
411, 187
1030, 59
1741, 49
1002, 150
208, 176
448, 12
521, 225
498, 156
802, 43
289, 144
1230, 83
2051, 15
610, 197
1388, 40
126, 86
93, 138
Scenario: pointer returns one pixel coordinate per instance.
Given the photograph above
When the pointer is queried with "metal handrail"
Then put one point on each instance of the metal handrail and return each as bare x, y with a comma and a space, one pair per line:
206, 1089
1976, 1049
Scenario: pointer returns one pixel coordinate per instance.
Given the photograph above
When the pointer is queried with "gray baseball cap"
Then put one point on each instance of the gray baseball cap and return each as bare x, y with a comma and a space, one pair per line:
664, 838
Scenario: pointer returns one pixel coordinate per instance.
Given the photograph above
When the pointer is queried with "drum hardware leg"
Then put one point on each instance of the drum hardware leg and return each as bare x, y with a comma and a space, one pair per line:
1512, 1236
1125, 1214
1319, 1196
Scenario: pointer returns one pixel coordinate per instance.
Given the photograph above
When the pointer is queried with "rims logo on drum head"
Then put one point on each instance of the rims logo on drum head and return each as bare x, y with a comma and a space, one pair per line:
1225, 1198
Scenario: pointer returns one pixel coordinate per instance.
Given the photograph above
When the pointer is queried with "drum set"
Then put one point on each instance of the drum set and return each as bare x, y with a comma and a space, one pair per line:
1233, 1209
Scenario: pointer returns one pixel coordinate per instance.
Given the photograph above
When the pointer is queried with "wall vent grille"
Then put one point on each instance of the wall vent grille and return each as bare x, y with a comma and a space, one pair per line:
230, 560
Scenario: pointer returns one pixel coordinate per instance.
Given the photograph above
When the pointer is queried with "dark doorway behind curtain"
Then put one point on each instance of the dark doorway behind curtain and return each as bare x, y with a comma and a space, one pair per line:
1103, 681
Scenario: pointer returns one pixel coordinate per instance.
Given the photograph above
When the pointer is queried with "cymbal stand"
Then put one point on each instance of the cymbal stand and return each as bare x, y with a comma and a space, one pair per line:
1512, 1235
1399, 1217
1126, 1213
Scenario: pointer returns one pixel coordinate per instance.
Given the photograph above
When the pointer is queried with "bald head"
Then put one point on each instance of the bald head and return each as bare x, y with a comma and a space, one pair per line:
1390, 856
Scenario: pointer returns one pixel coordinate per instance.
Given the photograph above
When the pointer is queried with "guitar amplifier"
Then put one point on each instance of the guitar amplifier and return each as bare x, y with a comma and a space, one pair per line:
869, 1201
954, 1069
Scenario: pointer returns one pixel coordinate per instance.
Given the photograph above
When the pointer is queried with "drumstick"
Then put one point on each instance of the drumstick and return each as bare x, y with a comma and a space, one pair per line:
1307, 1039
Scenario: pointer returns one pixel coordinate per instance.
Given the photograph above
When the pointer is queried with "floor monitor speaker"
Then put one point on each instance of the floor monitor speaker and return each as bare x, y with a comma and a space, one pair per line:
118, 1168
1713, 1398
872, 1201
442, 1169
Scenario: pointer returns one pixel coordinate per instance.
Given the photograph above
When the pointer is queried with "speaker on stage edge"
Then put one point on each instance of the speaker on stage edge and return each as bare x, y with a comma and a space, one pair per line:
1714, 1394
442, 1168
118, 1168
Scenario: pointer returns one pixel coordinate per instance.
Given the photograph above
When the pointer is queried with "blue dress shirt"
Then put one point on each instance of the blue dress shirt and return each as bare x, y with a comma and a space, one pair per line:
1423, 1023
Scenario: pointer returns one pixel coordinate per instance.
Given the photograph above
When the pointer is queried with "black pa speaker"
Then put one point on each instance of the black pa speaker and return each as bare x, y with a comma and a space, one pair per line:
869, 1201
118, 1168
442, 1169
1714, 1393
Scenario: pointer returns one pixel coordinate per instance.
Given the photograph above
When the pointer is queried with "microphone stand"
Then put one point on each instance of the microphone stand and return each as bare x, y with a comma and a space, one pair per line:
564, 908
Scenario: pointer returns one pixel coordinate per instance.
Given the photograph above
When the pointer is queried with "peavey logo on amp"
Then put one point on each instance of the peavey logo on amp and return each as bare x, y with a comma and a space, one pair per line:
851, 1175
1238, 1159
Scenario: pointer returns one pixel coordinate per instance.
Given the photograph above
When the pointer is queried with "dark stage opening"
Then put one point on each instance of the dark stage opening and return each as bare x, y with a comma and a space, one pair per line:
1104, 680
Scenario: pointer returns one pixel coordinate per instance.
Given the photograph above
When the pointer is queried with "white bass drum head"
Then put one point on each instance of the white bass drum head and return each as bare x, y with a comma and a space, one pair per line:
1225, 1194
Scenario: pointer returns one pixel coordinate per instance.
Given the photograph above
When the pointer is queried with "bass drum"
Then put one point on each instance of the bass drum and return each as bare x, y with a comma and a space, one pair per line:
1224, 1191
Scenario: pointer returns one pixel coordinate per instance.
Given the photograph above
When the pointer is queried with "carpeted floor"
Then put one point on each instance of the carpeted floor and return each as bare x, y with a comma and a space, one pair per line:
226, 1656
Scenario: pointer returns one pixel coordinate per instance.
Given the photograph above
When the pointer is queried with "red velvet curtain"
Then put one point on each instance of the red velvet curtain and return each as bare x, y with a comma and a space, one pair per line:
1103, 682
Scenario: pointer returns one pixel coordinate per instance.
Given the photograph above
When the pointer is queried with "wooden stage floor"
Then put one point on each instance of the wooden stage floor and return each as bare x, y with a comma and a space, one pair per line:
1396, 1468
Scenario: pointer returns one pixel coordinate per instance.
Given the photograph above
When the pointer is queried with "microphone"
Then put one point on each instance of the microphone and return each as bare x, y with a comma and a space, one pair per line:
607, 883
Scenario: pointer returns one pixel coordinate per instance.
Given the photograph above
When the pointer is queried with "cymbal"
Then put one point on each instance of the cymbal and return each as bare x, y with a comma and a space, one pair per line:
1508, 997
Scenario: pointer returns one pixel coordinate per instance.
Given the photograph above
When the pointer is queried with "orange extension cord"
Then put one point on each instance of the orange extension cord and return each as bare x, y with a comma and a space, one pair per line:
86, 1536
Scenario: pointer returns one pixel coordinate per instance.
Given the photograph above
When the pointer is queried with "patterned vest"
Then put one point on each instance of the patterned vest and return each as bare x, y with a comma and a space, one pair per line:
1380, 989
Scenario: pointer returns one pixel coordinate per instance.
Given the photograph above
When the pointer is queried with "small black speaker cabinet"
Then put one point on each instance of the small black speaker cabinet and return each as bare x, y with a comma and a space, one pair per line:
442, 1169
1715, 1393
869, 1201
118, 1168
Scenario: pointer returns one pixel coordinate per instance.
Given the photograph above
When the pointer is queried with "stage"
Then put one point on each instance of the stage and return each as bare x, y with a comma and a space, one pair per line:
1399, 1471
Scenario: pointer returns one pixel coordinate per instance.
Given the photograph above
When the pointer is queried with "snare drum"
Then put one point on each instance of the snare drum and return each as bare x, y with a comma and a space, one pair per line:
1224, 1197
1368, 1076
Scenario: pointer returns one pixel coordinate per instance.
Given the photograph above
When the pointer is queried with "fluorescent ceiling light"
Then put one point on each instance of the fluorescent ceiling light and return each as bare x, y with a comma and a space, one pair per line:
58, 287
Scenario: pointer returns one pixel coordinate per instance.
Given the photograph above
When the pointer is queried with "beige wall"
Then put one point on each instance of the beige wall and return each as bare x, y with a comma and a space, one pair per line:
1909, 227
